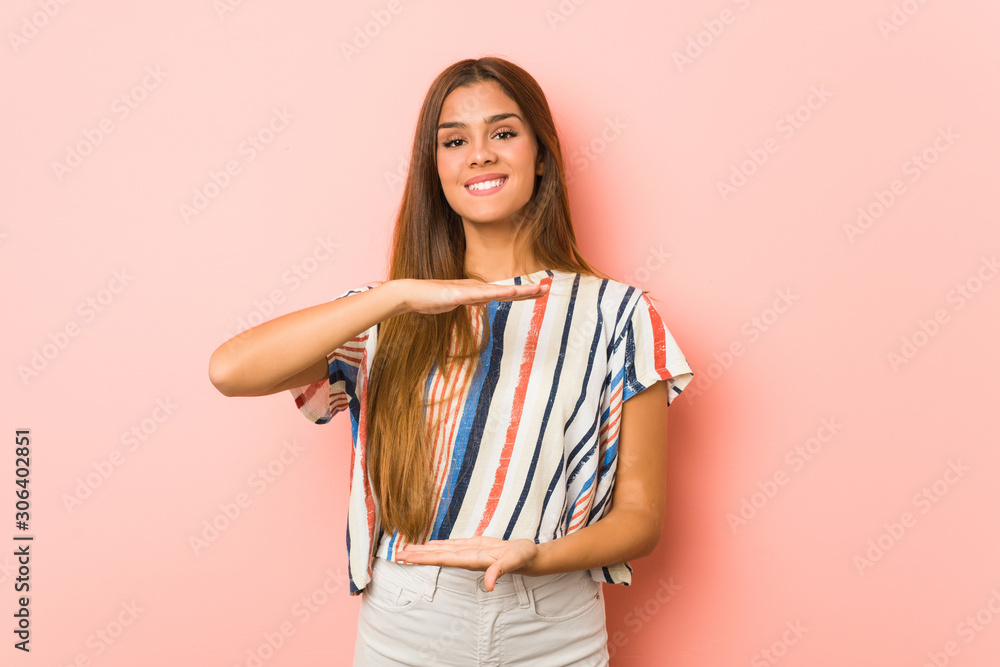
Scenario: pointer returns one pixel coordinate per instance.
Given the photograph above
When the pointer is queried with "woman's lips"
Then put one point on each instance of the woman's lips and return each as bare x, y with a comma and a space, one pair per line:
486, 187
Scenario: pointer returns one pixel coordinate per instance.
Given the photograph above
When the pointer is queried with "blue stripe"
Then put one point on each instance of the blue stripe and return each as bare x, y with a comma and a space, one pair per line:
586, 383
548, 495
586, 485
498, 321
466, 431
596, 509
553, 390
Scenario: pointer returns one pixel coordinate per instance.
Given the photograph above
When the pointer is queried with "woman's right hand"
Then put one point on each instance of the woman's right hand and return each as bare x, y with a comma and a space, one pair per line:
439, 296
290, 350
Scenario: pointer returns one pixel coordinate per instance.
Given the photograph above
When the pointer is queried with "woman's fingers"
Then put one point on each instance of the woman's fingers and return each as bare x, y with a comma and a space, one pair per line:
541, 290
439, 296
493, 573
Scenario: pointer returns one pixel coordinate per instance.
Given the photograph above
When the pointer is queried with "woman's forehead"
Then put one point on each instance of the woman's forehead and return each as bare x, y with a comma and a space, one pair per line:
473, 103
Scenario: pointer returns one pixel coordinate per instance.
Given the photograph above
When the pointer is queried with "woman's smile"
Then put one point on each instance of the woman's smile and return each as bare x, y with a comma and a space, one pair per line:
480, 186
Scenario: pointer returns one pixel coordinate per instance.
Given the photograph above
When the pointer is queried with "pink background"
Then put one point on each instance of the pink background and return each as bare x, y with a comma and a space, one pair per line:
875, 544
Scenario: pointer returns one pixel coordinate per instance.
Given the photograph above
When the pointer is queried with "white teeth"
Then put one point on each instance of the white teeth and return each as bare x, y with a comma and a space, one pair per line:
486, 185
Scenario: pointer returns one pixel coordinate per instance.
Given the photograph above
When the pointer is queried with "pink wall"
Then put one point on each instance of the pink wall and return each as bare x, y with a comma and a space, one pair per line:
833, 469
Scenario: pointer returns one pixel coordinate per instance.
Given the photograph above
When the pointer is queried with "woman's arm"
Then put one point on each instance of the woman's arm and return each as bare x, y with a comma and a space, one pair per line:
290, 351
631, 528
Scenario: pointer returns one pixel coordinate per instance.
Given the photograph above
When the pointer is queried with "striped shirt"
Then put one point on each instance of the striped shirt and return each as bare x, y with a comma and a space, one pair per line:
527, 448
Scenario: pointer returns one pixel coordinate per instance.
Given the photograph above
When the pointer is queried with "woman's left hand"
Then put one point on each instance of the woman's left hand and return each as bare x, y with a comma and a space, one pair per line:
492, 554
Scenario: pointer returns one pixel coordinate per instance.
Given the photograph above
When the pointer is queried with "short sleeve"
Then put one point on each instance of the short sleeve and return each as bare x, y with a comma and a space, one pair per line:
320, 401
651, 354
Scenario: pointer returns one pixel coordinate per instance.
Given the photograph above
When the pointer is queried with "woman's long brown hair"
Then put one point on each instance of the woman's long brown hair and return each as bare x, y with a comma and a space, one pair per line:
429, 243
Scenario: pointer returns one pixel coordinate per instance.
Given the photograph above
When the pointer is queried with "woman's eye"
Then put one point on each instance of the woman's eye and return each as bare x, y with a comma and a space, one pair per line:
499, 134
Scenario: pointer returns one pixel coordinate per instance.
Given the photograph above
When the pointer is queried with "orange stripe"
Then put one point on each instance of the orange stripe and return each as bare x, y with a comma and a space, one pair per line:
452, 422
659, 340
613, 426
613, 401
524, 374
434, 395
447, 425
436, 392
584, 509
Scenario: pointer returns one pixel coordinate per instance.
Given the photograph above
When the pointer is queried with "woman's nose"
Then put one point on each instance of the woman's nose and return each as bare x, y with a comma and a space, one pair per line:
481, 153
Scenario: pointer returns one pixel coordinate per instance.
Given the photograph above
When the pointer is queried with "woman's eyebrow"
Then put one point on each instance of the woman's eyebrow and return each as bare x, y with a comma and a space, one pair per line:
488, 121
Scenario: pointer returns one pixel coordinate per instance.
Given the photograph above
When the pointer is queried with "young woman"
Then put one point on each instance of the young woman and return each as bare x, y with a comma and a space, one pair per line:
508, 406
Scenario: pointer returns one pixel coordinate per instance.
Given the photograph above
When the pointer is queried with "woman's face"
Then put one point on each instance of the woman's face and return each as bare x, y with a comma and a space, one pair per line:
481, 133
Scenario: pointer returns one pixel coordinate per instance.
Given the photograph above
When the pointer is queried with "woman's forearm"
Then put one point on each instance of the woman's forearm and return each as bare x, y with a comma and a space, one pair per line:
625, 533
265, 358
